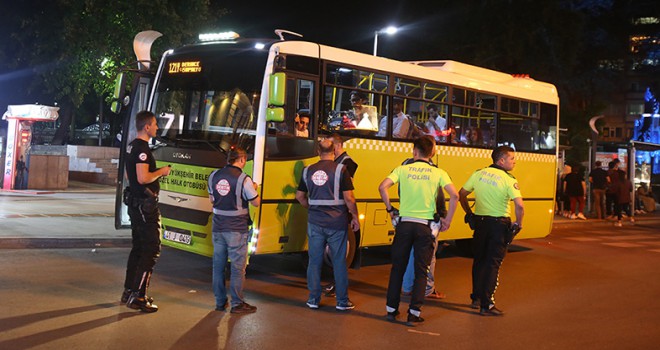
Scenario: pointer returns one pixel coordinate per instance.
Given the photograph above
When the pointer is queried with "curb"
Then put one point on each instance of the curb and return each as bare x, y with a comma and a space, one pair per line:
59, 243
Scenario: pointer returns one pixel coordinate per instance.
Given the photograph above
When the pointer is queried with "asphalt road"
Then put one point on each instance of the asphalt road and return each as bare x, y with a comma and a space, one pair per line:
586, 286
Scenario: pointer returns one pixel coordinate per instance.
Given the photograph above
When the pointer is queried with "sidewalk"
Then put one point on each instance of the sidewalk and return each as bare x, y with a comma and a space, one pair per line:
559, 220
82, 215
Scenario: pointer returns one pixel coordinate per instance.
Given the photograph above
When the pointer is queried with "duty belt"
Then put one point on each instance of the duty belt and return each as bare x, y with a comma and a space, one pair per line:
501, 219
416, 220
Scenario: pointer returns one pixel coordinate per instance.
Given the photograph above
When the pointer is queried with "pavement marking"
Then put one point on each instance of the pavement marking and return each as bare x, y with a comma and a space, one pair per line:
624, 245
24, 216
223, 331
628, 237
584, 239
420, 332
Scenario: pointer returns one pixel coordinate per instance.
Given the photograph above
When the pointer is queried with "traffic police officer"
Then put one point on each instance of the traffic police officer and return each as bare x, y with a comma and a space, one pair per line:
230, 190
419, 185
326, 190
141, 197
493, 188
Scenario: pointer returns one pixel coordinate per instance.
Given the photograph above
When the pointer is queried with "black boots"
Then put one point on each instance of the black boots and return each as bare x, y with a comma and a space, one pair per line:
137, 302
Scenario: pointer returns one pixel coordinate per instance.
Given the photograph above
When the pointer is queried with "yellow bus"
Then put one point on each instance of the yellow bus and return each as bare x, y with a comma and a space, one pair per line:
214, 95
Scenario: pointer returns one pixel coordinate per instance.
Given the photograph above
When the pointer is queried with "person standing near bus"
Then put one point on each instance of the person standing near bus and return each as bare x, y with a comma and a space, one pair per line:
493, 188
341, 157
141, 197
612, 193
599, 179
576, 188
419, 185
326, 190
230, 191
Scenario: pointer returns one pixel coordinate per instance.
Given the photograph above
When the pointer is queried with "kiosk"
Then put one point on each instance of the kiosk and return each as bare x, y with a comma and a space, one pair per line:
19, 135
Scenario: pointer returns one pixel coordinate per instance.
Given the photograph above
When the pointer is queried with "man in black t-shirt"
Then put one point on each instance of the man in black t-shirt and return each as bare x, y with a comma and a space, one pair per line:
341, 157
142, 202
599, 180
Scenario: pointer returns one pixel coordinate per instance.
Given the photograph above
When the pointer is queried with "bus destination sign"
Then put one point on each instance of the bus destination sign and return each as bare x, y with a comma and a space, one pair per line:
185, 67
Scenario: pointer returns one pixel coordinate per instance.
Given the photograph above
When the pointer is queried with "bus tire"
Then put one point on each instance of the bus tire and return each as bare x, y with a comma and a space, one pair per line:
351, 247
464, 247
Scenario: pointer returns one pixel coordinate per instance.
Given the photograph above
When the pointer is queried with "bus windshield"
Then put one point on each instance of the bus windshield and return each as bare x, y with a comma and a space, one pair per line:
203, 98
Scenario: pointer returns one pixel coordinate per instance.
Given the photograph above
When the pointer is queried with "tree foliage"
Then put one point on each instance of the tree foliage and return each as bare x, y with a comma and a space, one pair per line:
74, 47
575, 45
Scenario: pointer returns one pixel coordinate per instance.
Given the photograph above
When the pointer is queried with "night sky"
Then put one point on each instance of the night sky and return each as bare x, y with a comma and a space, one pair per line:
344, 24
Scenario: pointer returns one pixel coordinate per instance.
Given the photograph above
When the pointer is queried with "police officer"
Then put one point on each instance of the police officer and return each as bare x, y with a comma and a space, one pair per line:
493, 188
230, 190
341, 157
142, 201
419, 185
326, 190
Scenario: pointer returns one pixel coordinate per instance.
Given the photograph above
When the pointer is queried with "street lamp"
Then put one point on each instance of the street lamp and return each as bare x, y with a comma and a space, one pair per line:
389, 30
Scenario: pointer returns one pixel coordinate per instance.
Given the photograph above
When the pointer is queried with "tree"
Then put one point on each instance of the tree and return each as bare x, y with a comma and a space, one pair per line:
575, 45
74, 47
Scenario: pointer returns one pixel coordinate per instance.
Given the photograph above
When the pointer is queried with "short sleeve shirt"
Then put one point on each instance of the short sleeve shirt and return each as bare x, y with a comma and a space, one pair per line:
140, 154
333, 217
493, 189
419, 183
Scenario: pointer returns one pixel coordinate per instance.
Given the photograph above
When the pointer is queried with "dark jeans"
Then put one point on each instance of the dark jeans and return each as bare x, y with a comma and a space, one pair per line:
611, 201
145, 231
409, 235
489, 246
623, 208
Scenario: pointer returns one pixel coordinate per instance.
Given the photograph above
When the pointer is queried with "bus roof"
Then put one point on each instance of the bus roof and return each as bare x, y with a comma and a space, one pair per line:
448, 72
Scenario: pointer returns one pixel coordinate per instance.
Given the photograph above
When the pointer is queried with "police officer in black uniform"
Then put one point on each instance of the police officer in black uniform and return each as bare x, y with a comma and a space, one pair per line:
141, 197
493, 189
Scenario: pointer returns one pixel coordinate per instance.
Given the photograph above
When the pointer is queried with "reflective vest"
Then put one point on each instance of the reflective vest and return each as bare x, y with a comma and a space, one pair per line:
226, 186
322, 180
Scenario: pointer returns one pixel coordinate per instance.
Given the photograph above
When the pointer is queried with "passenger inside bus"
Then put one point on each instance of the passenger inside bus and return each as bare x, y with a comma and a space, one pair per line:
364, 117
302, 124
400, 123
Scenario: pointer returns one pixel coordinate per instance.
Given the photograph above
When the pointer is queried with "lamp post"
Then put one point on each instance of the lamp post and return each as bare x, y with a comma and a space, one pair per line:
389, 30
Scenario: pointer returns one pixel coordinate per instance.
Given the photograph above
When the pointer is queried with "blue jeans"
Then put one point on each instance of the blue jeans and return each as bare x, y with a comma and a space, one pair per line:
232, 245
336, 240
409, 276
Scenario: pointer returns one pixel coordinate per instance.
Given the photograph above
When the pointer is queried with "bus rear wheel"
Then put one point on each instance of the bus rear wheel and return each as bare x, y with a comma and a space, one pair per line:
351, 247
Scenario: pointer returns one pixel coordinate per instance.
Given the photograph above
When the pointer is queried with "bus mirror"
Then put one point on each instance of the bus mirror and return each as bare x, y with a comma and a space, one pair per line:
277, 88
275, 114
118, 95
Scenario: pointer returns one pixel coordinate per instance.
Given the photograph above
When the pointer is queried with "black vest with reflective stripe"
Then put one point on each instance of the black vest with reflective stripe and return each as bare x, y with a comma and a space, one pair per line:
322, 180
226, 186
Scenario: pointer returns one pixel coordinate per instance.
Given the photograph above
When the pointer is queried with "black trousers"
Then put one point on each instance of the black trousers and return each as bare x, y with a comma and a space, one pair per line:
489, 247
611, 201
409, 235
145, 232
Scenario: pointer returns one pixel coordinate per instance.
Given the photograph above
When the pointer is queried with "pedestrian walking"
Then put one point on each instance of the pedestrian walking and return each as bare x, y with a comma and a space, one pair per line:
141, 197
599, 180
419, 185
230, 191
576, 189
326, 190
493, 188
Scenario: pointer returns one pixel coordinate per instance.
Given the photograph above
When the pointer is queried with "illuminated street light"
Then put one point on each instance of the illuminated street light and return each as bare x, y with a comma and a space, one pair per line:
389, 30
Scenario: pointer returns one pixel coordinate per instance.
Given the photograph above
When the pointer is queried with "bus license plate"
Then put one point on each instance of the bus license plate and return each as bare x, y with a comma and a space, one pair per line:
177, 237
